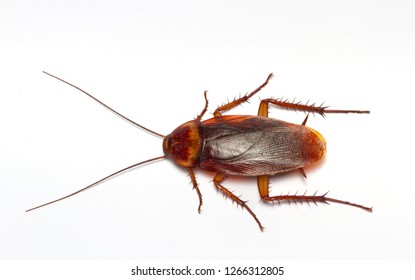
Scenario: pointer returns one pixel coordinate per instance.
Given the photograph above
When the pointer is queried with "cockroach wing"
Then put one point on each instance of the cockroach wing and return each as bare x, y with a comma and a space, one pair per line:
252, 146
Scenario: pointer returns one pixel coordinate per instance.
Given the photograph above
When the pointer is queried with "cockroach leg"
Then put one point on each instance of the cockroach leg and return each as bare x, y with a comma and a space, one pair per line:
263, 183
226, 107
298, 106
302, 172
217, 180
305, 120
196, 187
199, 117
263, 109
328, 199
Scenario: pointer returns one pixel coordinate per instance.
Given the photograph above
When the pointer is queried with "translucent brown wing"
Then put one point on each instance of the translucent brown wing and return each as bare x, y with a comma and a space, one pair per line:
252, 146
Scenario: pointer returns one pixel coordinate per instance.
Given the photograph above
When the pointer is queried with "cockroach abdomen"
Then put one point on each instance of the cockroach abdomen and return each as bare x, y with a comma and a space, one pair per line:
253, 146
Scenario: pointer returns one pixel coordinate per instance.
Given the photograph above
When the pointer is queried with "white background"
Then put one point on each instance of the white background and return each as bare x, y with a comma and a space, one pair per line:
152, 60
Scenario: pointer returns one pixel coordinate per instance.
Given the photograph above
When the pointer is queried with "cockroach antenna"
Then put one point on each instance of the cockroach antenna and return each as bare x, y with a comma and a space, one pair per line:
106, 106
97, 182
112, 174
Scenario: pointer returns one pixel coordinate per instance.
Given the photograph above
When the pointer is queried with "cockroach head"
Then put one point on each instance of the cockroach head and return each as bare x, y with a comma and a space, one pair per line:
184, 144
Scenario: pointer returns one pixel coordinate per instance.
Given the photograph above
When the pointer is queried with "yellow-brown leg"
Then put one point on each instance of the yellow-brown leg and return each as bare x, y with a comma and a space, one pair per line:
195, 186
217, 180
263, 180
322, 110
263, 190
199, 117
226, 107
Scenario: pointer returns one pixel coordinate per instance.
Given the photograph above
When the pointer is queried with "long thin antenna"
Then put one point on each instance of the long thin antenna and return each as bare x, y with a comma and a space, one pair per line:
106, 106
98, 182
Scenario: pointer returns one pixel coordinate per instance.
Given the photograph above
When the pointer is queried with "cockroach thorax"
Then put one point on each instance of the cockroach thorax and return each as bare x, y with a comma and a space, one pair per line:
183, 145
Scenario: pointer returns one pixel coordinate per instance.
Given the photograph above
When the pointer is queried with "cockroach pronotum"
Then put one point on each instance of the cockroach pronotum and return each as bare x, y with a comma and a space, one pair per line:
240, 145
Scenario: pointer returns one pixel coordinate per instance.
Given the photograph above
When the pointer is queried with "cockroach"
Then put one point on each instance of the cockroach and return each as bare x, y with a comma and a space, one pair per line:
240, 145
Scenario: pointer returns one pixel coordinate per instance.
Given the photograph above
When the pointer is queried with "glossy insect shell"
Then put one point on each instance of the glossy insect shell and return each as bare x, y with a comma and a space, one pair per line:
184, 144
244, 145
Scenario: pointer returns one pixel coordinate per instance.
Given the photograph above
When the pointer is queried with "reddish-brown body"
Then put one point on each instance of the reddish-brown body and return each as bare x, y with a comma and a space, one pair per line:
241, 146
244, 145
